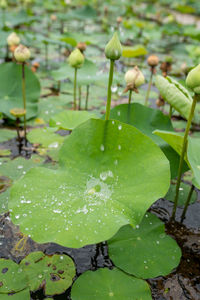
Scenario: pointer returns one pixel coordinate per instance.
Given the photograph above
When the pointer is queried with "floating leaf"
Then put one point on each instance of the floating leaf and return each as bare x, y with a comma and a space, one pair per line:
53, 273
6, 134
105, 284
95, 191
11, 89
12, 278
23, 295
135, 51
46, 137
70, 119
183, 194
146, 251
147, 120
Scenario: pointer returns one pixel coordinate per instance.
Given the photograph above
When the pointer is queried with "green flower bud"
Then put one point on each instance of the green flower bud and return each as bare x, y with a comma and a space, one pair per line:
76, 59
193, 79
13, 39
113, 49
134, 78
22, 53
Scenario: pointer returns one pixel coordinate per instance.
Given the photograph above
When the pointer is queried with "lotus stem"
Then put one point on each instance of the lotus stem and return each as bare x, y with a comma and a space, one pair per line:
187, 203
170, 111
79, 98
17, 128
46, 55
87, 97
75, 83
24, 96
148, 90
130, 95
109, 89
184, 149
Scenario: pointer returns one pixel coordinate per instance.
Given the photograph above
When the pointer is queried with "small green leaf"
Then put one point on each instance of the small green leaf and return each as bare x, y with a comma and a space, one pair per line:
146, 251
183, 194
70, 119
12, 277
6, 134
194, 158
105, 284
54, 273
23, 295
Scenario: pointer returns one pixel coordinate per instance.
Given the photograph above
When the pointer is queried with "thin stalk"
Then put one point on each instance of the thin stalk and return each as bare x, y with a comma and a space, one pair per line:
79, 98
17, 128
87, 97
46, 55
170, 111
184, 148
130, 95
148, 90
109, 89
24, 96
3, 17
75, 83
187, 203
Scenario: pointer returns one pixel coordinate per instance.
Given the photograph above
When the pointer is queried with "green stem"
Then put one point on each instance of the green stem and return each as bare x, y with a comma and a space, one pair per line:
130, 94
187, 203
17, 127
24, 96
112, 62
148, 90
79, 98
75, 82
184, 148
46, 55
87, 97
170, 111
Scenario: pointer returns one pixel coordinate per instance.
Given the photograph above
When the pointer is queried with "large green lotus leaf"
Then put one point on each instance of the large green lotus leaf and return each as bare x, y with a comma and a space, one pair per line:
183, 194
6, 134
146, 251
23, 295
70, 119
175, 94
53, 273
105, 284
105, 176
11, 89
147, 120
194, 159
12, 277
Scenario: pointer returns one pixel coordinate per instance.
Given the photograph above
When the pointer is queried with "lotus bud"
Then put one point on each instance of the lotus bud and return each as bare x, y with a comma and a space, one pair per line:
18, 112
153, 60
134, 78
53, 17
113, 49
3, 4
22, 53
81, 46
13, 39
76, 59
119, 19
193, 79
